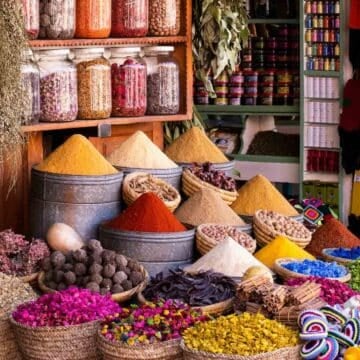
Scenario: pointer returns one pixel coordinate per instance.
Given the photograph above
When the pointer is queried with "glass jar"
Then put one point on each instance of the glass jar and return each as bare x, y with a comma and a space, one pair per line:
31, 18
94, 83
93, 19
128, 78
58, 86
164, 17
57, 19
163, 81
30, 77
130, 18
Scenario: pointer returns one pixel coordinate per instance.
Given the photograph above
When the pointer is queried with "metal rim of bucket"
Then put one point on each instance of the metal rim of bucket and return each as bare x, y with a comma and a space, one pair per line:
229, 164
172, 171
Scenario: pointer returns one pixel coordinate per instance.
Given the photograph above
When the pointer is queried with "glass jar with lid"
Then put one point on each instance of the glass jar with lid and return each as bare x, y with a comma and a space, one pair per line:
57, 19
163, 81
30, 77
94, 83
130, 18
93, 19
128, 78
31, 18
58, 86
164, 17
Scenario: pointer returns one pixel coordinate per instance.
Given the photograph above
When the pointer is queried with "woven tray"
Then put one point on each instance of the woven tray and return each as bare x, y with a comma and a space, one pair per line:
290, 353
168, 350
57, 343
122, 297
130, 195
191, 184
9, 348
287, 274
328, 257
205, 243
272, 233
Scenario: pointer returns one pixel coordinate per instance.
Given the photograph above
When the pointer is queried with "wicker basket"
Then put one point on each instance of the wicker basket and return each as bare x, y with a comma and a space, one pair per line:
9, 348
269, 233
205, 243
287, 274
328, 257
57, 343
289, 353
121, 297
191, 184
168, 350
130, 195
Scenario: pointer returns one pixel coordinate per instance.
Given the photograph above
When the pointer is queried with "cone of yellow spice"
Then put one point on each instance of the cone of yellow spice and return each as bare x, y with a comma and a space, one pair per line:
76, 156
195, 146
259, 193
281, 247
245, 335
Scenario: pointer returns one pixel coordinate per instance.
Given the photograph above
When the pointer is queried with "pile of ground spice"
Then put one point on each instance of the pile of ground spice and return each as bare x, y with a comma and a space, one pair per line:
333, 234
281, 247
195, 146
76, 156
138, 151
228, 258
207, 207
147, 214
260, 194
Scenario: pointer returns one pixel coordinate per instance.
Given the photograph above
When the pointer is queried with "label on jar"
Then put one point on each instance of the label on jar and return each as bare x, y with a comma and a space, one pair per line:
235, 101
221, 101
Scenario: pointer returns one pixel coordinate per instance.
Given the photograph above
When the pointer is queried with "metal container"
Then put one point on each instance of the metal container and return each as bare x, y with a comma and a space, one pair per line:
150, 246
245, 228
82, 202
154, 268
227, 167
171, 176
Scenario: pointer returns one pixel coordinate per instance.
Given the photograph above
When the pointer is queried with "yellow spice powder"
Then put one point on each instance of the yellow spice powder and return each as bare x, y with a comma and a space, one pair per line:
281, 247
259, 194
195, 146
76, 156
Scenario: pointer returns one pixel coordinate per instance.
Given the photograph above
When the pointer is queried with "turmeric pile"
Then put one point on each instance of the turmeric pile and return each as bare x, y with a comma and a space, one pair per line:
76, 156
259, 194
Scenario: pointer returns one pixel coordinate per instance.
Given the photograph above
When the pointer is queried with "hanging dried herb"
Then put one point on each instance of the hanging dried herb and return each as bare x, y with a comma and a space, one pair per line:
13, 42
219, 29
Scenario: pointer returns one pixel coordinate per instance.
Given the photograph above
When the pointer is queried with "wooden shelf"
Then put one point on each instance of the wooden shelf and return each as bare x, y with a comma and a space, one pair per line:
322, 73
263, 110
77, 124
266, 158
274, 21
108, 42
322, 177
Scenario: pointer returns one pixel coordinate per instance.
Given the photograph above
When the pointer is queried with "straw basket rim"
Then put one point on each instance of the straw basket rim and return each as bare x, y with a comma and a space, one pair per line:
290, 353
286, 274
130, 195
29, 278
121, 297
327, 256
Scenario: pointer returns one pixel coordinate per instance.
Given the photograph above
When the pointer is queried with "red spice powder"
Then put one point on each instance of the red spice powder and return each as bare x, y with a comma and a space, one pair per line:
332, 234
148, 214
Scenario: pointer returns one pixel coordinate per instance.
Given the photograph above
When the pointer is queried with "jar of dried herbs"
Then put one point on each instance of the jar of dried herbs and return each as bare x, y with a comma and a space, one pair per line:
57, 19
128, 79
164, 17
30, 76
31, 18
94, 83
58, 86
163, 82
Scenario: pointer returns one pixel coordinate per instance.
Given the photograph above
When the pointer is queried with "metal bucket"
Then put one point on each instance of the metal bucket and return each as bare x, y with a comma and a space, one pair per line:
149, 246
154, 268
171, 176
227, 167
245, 228
83, 202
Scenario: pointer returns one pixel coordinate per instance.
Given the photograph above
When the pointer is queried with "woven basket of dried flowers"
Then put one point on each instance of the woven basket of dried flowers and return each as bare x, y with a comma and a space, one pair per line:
289, 353
167, 350
287, 274
9, 348
120, 297
57, 343
205, 242
326, 254
191, 184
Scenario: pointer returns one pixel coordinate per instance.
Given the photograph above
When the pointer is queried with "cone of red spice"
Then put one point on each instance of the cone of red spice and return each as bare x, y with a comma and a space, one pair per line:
147, 214
332, 234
